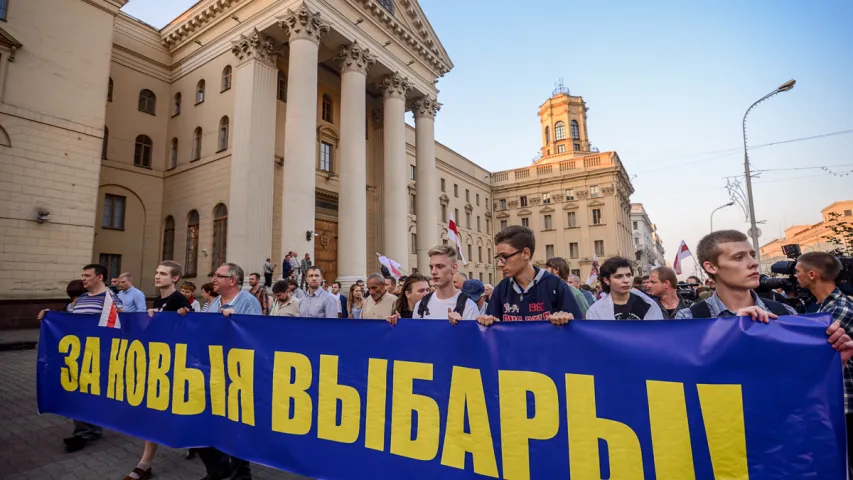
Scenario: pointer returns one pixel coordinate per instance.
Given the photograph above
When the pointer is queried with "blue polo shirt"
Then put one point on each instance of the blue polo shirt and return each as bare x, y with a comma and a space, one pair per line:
545, 295
243, 304
132, 300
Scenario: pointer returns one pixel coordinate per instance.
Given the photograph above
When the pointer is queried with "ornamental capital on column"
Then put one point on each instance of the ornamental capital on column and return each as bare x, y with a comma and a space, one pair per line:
425, 106
255, 46
395, 86
302, 23
355, 58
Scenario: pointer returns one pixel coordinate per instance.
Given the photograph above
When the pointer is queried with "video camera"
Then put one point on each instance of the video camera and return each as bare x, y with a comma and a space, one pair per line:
688, 291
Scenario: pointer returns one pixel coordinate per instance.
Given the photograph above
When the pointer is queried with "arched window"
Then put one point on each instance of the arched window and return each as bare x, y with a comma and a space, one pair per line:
199, 92
576, 134
176, 104
223, 134
226, 78
282, 87
327, 109
220, 236
169, 239
110, 90
191, 260
196, 153
173, 154
142, 152
560, 131
147, 101
547, 134
105, 142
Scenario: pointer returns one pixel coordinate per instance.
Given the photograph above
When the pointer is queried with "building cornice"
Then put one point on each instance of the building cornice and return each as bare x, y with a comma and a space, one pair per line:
178, 31
110, 6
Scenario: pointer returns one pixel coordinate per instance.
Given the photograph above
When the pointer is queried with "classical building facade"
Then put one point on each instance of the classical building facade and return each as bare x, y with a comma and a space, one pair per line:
245, 129
576, 200
648, 246
810, 237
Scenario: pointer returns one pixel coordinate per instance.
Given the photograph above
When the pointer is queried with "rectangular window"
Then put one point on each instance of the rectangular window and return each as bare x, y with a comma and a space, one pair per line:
327, 109
113, 217
480, 255
467, 220
467, 195
456, 216
489, 255
325, 157
478, 199
577, 147
548, 224
570, 194
561, 148
523, 200
443, 185
488, 226
490, 279
549, 251
636, 241
456, 190
411, 172
599, 248
848, 213
444, 213
444, 242
635, 225
596, 216
638, 256
546, 198
412, 201
525, 221
576, 271
594, 192
478, 224
573, 250
470, 258
503, 224
111, 262
502, 204
481, 277
571, 220
414, 243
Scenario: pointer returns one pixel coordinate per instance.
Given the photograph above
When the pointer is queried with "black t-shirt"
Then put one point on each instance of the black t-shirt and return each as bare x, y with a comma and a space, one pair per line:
635, 309
172, 303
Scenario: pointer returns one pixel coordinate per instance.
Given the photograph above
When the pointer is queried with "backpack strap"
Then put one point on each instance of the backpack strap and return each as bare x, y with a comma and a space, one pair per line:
422, 308
775, 307
700, 310
461, 300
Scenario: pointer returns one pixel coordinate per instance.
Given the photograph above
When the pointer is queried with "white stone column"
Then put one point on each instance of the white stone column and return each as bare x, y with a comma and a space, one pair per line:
395, 195
252, 152
352, 218
304, 30
425, 109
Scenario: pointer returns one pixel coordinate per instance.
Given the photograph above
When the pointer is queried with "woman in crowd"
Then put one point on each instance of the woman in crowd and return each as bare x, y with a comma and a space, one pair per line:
412, 291
356, 300
208, 294
74, 290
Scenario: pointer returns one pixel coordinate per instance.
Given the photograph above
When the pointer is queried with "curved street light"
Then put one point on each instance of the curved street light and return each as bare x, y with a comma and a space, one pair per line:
715, 211
753, 231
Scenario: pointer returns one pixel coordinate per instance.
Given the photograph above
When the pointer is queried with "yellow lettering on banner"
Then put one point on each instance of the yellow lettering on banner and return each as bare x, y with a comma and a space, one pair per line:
284, 390
217, 380
70, 347
241, 391
585, 428
134, 373
377, 397
516, 428
115, 377
467, 396
159, 363
673, 451
722, 412
90, 371
403, 403
329, 392
187, 385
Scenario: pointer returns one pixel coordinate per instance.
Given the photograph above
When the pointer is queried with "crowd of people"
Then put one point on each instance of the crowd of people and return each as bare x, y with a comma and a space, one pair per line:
526, 293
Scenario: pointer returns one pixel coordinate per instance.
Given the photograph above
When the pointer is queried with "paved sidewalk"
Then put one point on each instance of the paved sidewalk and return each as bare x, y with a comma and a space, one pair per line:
31, 444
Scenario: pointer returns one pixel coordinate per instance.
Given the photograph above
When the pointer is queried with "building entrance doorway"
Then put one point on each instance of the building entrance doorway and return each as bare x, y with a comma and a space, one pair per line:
326, 248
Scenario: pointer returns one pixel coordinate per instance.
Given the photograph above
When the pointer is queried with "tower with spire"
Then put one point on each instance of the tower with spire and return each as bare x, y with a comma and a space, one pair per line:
563, 124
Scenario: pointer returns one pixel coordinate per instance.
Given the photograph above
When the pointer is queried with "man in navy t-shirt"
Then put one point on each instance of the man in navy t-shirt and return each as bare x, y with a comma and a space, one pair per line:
526, 293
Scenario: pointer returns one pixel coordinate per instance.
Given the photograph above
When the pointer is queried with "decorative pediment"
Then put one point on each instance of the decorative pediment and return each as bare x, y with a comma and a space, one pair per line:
9, 42
502, 214
469, 208
327, 133
524, 212
570, 206
546, 209
488, 214
444, 199
595, 203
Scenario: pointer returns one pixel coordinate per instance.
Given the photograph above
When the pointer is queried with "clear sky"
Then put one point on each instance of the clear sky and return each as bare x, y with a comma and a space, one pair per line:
667, 83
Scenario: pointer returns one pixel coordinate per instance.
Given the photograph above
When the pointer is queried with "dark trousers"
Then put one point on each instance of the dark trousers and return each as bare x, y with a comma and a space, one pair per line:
849, 418
221, 466
268, 280
86, 431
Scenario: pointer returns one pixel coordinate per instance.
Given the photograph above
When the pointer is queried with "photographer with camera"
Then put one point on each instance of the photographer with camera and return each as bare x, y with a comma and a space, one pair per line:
663, 285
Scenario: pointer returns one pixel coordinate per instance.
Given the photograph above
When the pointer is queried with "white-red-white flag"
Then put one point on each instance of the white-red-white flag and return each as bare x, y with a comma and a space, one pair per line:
593, 274
393, 266
109, 314
453, 236
683, 253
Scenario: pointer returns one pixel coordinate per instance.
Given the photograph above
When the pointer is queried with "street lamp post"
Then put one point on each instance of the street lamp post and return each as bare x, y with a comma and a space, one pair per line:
753, 231
715, 211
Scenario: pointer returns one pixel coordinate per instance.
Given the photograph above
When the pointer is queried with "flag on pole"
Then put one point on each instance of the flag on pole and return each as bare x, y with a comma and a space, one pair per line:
593, 274
393, 266
109, 314
683, 253
453, 236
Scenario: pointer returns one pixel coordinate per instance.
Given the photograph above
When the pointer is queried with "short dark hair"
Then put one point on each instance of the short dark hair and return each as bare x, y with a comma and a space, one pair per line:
393, 280
98, 268
609, 267
188, 285
697, 279
337, 283
561, 266
518, 236
313, 267
586, 287
280, 286
708, 249
208, 287
256, 275
645, 277
825, 264
175, 269
666, 274
75, 288
293, 283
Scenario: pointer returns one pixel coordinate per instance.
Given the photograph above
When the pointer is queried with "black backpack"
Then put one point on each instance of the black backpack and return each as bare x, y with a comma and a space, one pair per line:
702, 310
461, 300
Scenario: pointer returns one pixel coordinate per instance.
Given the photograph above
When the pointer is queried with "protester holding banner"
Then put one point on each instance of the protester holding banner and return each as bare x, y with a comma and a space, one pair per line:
447, 302
412, 291
622, 302
208, 295
380, 303
356, 300
526, 293
318, 303
284, 303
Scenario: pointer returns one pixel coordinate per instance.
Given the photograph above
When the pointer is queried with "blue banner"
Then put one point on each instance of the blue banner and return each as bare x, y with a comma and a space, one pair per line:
351, 399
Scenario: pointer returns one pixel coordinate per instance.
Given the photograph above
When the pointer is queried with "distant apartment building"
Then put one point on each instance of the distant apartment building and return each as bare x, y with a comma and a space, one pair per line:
810, 237
648, 246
